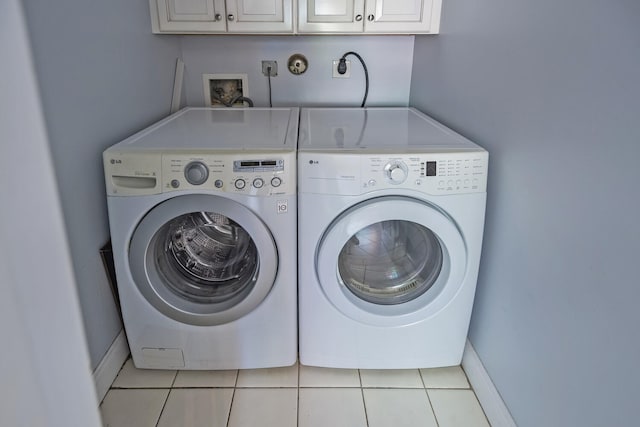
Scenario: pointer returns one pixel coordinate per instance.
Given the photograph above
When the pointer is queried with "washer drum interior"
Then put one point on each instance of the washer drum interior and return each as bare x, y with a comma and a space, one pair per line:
206, 257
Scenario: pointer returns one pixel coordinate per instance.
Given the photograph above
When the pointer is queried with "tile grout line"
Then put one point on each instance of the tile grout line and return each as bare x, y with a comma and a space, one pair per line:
166, 399
320, 388
474, 394
364, 403
426, 391
233, 396
433, 410
298, 397
114, 380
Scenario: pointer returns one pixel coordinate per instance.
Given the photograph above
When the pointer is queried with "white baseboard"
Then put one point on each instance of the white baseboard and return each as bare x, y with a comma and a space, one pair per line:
110, 365
490, 400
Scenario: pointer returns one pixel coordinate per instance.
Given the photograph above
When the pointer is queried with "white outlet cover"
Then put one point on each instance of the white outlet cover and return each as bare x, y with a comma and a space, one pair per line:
337, 75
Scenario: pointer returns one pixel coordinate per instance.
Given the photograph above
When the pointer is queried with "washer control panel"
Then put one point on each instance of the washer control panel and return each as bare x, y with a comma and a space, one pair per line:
260, 175
139, 173
431, 173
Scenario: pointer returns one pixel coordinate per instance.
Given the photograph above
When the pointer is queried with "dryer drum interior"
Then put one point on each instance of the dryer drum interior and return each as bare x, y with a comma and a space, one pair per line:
390, 262
206, 257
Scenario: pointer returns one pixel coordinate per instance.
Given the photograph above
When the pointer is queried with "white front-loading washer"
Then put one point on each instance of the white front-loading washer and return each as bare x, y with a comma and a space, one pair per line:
391, 209
202, 211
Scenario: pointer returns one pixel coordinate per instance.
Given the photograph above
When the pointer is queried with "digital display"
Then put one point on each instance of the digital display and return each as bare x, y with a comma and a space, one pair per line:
249, 164
258, 165
431, 168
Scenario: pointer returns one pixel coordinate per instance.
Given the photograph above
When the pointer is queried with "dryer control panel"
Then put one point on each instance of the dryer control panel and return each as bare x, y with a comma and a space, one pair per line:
430, 173
255, 174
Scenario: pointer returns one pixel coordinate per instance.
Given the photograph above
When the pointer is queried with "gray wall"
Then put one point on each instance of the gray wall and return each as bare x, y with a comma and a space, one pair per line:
102, 76
551, 89
388, 60
44, 361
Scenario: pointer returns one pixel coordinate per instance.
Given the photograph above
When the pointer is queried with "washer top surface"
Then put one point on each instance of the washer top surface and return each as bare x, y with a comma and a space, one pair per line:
220, 129
398, 130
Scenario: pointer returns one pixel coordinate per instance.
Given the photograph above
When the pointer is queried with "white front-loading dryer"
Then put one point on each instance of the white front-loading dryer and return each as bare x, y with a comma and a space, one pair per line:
202, 211
391, 213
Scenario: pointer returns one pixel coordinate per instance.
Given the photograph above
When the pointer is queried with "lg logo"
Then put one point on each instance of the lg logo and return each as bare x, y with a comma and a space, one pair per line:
313, 162
116, 161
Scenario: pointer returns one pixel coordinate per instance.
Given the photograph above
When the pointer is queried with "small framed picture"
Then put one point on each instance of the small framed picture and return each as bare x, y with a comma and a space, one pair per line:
225, 90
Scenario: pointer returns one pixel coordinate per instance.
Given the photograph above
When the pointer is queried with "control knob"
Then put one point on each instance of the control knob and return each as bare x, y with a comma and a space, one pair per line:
396, 172
196, 173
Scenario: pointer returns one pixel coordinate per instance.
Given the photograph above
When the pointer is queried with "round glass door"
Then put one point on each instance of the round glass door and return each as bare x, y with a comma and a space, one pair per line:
390, 262
206, 257
203, 260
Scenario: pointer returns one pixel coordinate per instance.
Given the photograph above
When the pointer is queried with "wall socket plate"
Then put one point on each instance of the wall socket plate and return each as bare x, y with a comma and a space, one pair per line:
337, 75
274, 68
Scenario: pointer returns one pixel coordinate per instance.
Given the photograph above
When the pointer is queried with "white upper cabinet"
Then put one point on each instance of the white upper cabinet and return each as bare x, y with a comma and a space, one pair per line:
279, 16
189, 15
220, 16
330, 16
406, 16
369, 16
260, 16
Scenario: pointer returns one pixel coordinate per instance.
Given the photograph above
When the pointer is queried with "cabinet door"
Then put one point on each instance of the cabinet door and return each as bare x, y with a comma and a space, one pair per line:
330, 16
191, 16
402, 16
260, 16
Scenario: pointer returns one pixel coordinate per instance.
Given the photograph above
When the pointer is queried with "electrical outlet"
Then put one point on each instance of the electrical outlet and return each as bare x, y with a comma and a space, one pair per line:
337, 75
274, 68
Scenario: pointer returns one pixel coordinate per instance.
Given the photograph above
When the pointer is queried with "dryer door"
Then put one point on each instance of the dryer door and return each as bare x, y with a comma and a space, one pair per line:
391, 261
203, 259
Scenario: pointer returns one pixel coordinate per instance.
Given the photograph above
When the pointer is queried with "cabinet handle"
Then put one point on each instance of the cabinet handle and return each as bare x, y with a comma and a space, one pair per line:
358, 18
371, 18
230, 17
217, 17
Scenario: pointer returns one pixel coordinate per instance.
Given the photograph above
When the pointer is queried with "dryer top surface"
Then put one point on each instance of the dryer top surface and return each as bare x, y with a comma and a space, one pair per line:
228, 129
366, 130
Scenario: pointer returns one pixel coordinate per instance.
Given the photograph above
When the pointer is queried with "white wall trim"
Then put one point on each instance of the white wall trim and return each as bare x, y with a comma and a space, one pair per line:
110, 365
490, 400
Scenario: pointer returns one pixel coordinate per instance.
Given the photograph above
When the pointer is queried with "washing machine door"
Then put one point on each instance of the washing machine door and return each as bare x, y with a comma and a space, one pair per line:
391, 261
203, 259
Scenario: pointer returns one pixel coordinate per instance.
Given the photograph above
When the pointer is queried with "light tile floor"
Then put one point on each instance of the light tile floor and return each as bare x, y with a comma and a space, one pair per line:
296, 396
